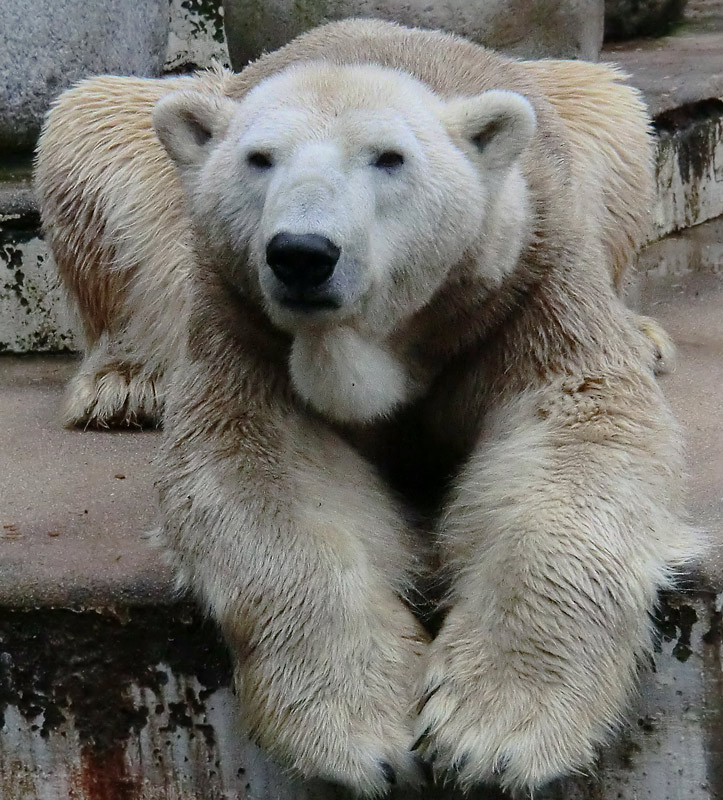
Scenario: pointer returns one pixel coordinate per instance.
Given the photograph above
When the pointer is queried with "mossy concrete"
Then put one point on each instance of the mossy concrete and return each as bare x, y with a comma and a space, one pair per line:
196, 38
689, 166
33, 314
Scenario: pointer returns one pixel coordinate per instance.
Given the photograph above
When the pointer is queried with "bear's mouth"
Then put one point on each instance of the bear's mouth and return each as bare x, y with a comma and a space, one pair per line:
308, 304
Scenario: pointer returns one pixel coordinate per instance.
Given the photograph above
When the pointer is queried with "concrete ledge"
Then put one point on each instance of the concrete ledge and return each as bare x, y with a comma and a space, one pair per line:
124, 704
73, 506
16, 193
681, 79
689, 166
33, 314
196, 38
130, 703
682, 68
50, 44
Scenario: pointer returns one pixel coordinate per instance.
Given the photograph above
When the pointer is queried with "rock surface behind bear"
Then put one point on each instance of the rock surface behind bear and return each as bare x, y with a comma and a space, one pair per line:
527, 28
50, 44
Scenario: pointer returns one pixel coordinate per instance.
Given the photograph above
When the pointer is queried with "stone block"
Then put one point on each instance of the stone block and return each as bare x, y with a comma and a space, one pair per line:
527, 28
626, 19
689, 167
33, 313
50, 44
196, 38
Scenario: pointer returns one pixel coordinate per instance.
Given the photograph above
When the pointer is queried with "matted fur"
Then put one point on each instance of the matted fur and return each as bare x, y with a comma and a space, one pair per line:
534, 442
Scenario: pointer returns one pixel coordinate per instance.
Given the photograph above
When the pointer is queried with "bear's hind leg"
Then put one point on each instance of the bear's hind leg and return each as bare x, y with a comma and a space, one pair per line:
112, 389
662, 346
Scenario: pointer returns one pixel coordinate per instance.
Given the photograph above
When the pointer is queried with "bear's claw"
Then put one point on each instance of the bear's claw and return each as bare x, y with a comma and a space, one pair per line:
419, 741
389, 773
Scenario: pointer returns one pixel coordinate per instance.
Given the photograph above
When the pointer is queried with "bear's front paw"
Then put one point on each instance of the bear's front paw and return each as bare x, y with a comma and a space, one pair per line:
511, 714
341, 710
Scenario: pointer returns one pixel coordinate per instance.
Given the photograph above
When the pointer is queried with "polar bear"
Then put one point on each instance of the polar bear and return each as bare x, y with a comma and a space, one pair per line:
382, 264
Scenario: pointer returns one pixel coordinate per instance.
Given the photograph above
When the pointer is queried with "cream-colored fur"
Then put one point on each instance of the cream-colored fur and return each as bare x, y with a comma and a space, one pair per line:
96, 213
479, 380
347, 377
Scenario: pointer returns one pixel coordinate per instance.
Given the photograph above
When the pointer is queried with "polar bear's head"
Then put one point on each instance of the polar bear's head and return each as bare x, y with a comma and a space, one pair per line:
345, 195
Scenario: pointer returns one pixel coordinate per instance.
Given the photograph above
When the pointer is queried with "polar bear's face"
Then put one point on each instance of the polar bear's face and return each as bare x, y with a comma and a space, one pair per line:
345, 191
345, 195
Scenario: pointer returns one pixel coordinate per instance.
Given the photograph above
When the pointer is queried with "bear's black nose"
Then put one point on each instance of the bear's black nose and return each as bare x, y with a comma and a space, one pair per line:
301, 261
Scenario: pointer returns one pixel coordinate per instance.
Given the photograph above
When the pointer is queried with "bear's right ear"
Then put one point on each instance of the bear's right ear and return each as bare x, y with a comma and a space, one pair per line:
186, 122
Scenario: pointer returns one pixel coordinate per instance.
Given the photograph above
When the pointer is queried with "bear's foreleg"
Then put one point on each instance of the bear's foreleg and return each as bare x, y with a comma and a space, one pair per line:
562, 527
294, 544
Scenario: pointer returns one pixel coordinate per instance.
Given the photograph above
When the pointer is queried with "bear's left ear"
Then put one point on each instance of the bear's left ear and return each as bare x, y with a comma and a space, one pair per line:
495, 126
187, 122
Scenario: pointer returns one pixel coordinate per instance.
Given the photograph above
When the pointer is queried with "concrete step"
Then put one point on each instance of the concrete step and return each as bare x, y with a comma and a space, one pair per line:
34, 317
111, 684
134, 703
681, 78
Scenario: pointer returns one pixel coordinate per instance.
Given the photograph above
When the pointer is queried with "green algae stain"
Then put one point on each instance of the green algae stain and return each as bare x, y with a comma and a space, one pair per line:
206, 18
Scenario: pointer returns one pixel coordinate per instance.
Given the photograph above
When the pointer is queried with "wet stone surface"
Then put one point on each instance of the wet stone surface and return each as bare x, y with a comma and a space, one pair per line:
135, 704
61, 664
196, 38
689, 166
119, 705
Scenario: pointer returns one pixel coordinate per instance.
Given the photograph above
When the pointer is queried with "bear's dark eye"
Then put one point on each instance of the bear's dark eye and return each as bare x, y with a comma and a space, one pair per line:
259, 160
389, 159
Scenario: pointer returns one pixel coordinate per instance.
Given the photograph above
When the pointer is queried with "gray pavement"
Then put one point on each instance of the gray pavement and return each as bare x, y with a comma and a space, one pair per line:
682, 68
73, 505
